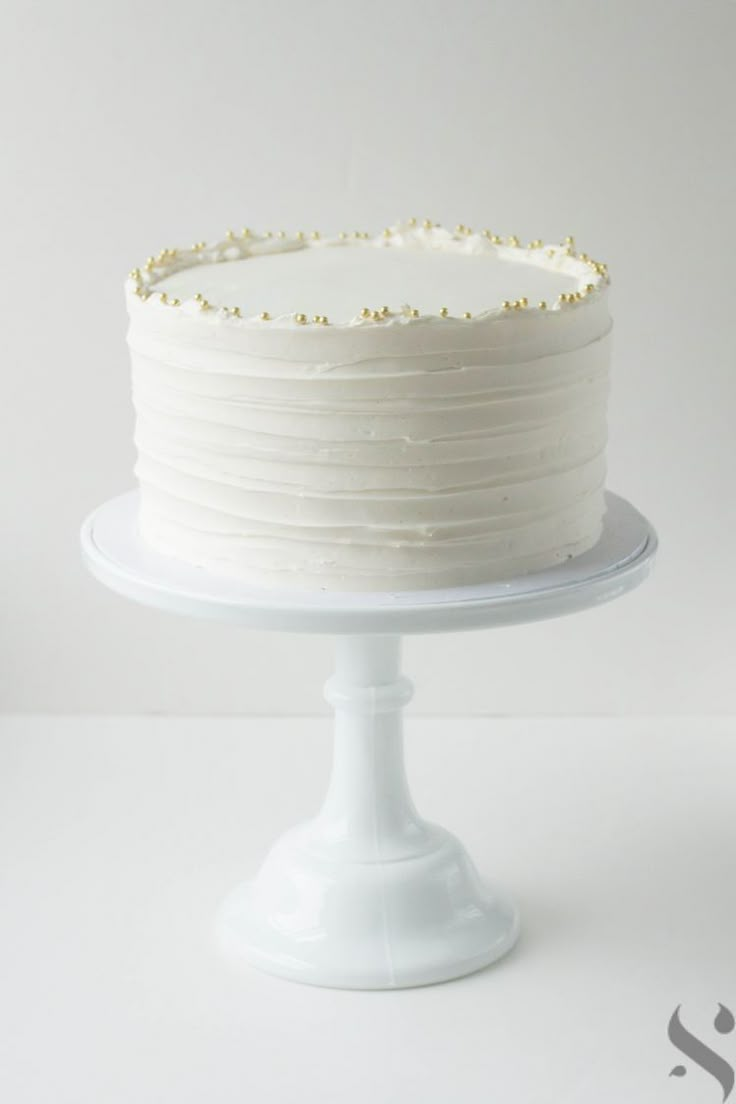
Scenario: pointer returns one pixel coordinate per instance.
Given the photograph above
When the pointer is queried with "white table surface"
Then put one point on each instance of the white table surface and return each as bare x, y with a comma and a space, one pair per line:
119, 837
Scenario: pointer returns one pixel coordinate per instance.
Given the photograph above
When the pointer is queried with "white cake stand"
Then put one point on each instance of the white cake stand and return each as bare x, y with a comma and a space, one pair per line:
367, 895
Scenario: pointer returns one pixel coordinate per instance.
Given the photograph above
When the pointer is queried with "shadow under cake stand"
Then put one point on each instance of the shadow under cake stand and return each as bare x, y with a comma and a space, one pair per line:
367, 895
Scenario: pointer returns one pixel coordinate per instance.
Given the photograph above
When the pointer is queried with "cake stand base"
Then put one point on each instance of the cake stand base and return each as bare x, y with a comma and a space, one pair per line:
367, 895
422, 920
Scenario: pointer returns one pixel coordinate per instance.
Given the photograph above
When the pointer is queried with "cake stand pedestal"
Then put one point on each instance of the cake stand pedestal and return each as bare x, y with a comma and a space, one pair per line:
367, 895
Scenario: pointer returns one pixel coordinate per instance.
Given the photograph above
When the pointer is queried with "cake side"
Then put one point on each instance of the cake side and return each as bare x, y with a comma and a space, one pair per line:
398, 452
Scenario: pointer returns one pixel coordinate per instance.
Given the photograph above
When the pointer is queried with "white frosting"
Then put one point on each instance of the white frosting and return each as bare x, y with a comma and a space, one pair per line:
338, 282
371, 454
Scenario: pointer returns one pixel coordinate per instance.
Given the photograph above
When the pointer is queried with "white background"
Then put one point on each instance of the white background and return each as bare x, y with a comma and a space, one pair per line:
133, 126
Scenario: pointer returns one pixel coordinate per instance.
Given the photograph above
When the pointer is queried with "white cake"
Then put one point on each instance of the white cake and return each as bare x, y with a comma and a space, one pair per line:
422, 408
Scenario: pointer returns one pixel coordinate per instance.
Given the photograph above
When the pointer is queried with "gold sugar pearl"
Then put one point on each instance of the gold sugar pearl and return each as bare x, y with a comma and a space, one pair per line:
497, 239
301, 319
523, 302
268, 234
135, 274
536, 244
365, 313
175, 302
412, 222
281, 234
230, 234
198, 247
300, 235
542, 304
204, 305
385, 310
414, 312
507, 304
377, 316
467, 314
444, 312
550, 252
236, 312
427, 224
264, 316
245, 232
164, 297
569, 240
513, 240
459, 229
589, 288
343, 235
387, 232
315, 235
320, 319
198, 296
487, 234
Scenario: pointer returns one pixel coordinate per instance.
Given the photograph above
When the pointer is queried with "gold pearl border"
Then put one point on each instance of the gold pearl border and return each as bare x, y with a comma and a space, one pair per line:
240, 246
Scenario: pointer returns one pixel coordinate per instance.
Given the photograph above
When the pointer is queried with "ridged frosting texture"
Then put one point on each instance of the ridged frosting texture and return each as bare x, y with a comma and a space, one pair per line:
409, 454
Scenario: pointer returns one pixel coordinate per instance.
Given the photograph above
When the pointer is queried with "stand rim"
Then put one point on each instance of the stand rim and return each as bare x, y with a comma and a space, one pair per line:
117, 557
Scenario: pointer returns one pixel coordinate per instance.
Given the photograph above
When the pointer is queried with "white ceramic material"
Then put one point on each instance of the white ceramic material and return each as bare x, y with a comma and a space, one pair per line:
367, 894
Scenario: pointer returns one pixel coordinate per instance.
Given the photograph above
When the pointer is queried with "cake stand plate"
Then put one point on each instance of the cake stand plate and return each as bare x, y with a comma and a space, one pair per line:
367, 894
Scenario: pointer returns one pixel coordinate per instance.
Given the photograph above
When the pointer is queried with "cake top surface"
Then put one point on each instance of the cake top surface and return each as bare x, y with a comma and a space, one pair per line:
411, 271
